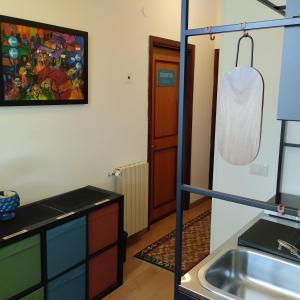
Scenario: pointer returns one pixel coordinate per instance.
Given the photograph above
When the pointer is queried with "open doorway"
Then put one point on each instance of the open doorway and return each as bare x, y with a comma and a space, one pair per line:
156, 246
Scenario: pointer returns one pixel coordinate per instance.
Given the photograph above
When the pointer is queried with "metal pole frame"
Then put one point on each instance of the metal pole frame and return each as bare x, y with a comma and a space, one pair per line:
181, 115
181, 187
280, 161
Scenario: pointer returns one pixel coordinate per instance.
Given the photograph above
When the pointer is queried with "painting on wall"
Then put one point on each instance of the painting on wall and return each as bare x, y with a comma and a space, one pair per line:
42, 64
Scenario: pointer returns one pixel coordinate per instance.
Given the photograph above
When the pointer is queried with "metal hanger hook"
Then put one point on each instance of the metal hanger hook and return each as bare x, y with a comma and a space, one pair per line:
212, 37
243, 26
245, 35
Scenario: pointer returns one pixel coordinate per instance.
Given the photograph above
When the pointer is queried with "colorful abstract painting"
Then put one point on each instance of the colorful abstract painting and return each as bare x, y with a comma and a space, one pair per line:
41, 64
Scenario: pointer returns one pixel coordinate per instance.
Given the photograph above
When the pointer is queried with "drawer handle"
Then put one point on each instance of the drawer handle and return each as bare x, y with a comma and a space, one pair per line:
102, 201
15, 234
65, 215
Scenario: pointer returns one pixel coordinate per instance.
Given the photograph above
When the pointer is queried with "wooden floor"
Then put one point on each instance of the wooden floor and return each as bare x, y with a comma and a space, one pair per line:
144, 281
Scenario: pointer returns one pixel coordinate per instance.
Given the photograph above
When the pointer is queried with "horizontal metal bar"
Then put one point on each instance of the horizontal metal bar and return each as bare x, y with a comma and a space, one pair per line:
291, 145
244, 26
269, 4
236, 199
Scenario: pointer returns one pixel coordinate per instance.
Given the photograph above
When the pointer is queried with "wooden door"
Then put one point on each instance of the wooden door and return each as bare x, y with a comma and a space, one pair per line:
163, 131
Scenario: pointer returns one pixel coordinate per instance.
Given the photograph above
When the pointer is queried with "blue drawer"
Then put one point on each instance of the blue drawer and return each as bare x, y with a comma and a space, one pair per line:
66, 246
71, 285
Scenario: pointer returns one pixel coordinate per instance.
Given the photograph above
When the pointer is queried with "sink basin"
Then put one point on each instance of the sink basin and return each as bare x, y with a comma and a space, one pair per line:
243, 273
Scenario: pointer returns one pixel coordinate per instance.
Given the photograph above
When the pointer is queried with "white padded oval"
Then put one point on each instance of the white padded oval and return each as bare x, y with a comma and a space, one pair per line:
239, 115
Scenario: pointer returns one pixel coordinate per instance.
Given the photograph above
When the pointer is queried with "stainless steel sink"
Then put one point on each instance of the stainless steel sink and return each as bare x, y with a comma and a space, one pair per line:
247, 274
238, 273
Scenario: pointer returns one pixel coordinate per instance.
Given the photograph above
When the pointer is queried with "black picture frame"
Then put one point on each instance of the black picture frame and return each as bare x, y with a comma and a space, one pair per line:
55, 29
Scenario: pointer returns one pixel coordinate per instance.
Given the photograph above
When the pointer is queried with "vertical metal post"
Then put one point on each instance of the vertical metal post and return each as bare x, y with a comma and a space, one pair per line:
181, 123
280, 161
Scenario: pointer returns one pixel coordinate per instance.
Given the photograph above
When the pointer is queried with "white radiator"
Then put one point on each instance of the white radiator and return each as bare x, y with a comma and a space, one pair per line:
132, 182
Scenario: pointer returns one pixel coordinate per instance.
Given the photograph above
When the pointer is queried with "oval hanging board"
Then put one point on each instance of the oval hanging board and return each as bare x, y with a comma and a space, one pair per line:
239, 114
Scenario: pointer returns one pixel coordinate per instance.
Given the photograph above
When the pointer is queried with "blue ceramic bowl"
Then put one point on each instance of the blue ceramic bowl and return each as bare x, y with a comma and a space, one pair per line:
9, 201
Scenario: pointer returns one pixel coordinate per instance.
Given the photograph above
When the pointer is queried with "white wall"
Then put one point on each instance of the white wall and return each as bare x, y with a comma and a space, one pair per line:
203, 93
229, 218
52, 149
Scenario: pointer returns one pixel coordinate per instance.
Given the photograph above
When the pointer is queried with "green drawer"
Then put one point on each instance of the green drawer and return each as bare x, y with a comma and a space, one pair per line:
20, 267
37, 295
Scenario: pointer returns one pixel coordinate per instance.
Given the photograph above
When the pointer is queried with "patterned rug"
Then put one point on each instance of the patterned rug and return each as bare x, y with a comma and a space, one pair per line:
196, 240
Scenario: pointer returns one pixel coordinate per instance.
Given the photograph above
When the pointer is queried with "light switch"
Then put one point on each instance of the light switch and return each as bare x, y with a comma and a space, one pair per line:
259, 169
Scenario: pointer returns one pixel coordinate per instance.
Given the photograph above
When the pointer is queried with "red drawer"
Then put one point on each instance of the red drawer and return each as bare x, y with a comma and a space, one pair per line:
103, 272
103, 227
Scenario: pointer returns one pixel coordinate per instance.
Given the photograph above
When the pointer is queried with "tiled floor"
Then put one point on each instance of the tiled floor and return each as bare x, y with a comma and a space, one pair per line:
143, 281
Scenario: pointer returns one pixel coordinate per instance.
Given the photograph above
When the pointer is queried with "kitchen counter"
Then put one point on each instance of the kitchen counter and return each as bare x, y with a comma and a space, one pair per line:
191, 283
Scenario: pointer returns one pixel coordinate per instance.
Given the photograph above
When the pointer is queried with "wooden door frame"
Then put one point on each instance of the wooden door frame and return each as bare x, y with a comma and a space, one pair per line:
190, 65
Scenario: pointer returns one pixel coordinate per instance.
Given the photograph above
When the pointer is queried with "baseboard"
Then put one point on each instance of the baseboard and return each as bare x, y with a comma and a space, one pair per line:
200, 201
136, 236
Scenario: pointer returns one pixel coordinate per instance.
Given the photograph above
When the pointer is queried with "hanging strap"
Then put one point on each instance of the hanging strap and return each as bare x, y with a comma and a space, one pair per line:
246, 35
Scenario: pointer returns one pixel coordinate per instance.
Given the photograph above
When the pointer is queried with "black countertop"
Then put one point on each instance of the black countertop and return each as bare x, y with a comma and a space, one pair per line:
32, 217
76, 199
26, 216
264, 236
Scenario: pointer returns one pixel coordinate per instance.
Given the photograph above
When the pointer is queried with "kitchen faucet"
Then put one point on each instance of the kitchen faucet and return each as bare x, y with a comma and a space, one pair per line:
293, 250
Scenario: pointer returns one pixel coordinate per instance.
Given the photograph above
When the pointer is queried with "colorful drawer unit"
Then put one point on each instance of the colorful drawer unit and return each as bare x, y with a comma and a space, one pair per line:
70, 285
75, 253
103, 227
66, 246
103, 272
20, 267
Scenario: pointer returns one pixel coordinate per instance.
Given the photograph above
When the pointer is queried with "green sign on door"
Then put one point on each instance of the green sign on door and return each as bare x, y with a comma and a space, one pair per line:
166, 77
